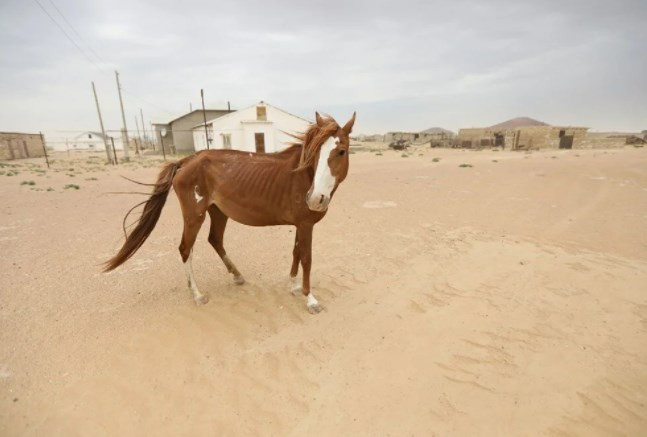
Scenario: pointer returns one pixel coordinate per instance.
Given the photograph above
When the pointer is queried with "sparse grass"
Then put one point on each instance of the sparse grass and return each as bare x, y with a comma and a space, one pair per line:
465, 165
50, 189
404, 155
494, 160
91, 179
28, 183
378, 154
435, 160
71, 187
638, 145
70, 175
554, 157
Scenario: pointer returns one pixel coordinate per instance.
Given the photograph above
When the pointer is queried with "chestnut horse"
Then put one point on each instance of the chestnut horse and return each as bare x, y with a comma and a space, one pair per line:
291, 187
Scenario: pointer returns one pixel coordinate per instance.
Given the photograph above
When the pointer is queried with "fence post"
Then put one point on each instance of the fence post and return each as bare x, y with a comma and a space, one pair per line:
114, 151
42, 140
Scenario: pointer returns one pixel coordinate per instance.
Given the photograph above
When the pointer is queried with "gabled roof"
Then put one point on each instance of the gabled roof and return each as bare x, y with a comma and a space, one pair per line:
225, 111
247, 107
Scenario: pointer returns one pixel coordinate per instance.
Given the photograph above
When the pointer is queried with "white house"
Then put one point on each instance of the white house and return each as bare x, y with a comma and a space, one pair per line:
258, 128
86, 141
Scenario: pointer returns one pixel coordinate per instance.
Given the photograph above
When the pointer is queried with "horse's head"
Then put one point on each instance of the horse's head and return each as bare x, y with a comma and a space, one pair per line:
331, 163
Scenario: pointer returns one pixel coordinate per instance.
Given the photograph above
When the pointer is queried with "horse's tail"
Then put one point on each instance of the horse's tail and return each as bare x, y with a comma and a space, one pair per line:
149, 217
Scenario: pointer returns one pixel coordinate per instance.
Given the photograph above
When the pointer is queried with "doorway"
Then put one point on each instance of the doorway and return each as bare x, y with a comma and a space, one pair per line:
259, 138
566, 142
499, 140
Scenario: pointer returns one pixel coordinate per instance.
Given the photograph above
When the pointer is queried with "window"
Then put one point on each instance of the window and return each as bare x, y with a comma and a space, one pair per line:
90, 136
226, 141
562, 133
261, 113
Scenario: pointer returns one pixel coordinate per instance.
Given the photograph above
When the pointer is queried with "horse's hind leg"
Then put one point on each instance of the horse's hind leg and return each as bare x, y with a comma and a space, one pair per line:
216, 237
192, 225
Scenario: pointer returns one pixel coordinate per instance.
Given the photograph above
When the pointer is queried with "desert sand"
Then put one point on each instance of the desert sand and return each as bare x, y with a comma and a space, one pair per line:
504, 297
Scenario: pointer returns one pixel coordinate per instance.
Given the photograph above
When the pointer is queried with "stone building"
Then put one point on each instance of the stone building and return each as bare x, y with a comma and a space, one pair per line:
523, 134
17, 145
436, 136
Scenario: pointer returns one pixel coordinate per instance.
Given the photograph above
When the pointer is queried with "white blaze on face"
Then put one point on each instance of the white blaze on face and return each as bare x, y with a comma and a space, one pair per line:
324, 181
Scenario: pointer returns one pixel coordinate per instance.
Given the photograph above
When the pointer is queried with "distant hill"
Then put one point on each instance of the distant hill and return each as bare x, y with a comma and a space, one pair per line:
519, 122
437, 130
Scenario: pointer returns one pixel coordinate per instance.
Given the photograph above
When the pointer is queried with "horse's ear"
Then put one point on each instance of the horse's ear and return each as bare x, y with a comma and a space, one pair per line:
319, 120
348, 127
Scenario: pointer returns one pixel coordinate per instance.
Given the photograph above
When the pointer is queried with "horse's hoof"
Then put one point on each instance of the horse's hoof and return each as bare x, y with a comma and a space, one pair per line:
296, 290
239, 280
202, 299
315, 308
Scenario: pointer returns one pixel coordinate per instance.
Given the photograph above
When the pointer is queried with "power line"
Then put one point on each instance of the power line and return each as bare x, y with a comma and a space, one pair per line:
85, 55
75, 32
68, 36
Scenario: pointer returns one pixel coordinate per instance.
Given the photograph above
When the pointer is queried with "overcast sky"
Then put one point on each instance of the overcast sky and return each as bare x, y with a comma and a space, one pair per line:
403, 65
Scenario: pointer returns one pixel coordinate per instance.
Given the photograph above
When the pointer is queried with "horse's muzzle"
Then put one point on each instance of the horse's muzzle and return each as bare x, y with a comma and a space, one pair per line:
317, 202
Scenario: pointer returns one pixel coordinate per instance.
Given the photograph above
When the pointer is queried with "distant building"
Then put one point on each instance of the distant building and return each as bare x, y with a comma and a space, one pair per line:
18, 145
258, 128
178, 133
89, 140
523, 134
436, 136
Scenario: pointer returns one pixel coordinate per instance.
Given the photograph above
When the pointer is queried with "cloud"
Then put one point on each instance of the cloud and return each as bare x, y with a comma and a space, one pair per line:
403, 65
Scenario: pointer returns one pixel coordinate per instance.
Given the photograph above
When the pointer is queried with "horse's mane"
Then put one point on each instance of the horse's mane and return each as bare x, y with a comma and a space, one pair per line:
312, 139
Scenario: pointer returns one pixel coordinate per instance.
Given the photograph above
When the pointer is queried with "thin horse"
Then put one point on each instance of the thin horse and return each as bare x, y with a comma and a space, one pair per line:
291, 187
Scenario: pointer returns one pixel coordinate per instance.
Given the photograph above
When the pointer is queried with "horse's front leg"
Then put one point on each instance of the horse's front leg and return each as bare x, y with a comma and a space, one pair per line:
295, 284
305, 253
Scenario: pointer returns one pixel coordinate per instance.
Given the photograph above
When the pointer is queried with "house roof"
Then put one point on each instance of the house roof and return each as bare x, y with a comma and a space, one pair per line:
250, 106
224, 111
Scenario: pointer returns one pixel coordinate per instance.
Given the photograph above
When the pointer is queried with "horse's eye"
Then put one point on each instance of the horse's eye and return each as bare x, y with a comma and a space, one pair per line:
342, 152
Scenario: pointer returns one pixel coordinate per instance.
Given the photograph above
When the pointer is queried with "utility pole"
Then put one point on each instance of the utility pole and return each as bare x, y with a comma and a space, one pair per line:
162, 142
140, 137
124, 132
103, 131
153, 139
204, 115
143, 126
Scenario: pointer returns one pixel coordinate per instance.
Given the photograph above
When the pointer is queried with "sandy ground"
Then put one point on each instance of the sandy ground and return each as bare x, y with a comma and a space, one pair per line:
506, 298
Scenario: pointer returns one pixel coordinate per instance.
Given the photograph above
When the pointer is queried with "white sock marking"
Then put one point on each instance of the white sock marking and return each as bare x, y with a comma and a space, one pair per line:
295, 284
311, 300
188, 269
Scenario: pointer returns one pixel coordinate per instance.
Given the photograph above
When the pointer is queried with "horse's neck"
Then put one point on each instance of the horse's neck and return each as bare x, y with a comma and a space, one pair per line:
293, 159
